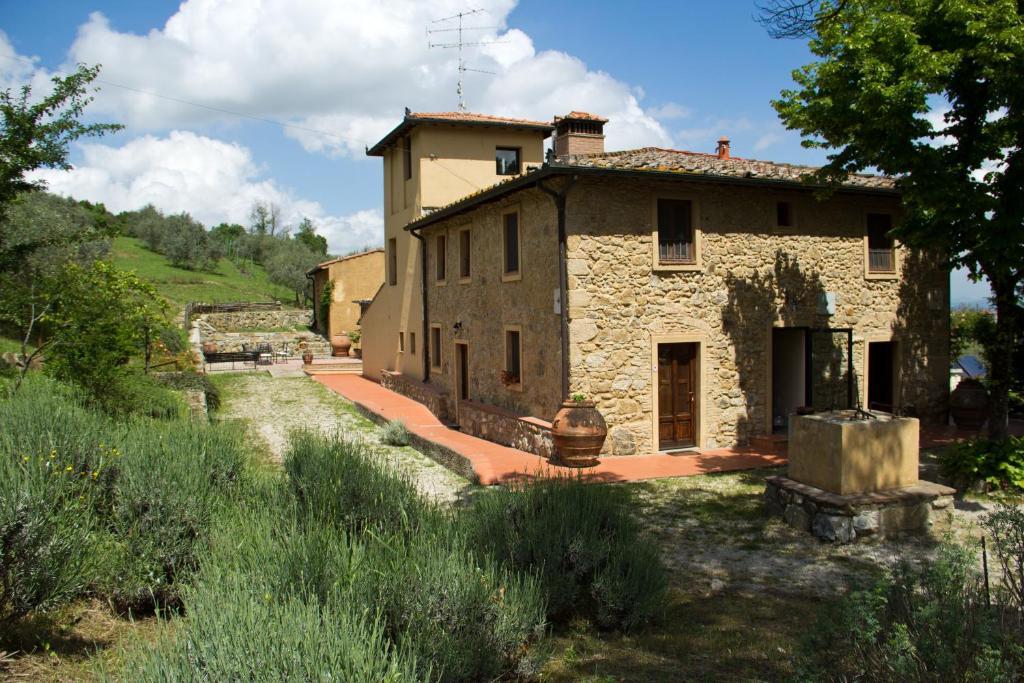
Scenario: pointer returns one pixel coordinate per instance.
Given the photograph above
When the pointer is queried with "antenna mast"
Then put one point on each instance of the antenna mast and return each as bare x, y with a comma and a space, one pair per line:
459, 44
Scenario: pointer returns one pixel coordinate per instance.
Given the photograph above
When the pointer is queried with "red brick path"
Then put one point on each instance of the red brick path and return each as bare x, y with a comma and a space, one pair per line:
496, 464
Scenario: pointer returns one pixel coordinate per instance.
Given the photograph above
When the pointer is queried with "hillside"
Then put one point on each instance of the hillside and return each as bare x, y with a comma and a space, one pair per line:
180, 286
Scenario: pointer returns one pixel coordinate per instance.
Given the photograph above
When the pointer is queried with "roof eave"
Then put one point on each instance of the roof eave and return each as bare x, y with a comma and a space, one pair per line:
409, 122
499, 191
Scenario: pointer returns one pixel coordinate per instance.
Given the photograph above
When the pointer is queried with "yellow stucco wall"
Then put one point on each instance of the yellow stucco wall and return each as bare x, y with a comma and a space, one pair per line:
449, 162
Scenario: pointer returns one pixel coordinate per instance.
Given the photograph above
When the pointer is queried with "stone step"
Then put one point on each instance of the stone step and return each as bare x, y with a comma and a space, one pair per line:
775, 444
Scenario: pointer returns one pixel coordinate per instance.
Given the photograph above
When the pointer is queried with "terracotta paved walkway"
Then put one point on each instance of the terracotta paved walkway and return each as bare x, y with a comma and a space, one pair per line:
495, 464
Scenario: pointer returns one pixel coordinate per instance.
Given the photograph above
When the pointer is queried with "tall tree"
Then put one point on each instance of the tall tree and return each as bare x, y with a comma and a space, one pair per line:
265, 218
36, 134
307, 235
932, 92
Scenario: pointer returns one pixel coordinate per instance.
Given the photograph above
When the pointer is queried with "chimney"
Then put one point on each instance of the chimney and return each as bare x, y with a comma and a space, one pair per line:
579, 133
723, 147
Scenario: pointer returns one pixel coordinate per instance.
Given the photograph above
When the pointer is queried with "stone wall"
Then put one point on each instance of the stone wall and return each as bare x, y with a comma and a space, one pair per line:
205, 329
258, 320
488, 304
750, 276
501, 426
435, 401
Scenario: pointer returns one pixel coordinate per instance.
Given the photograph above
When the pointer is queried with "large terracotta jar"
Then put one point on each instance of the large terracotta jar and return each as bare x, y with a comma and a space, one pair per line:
968, 404
340, 344
579, 431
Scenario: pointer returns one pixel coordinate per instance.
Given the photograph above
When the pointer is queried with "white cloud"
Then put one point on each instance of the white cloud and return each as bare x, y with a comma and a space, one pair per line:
346, 67
670, 110
212, 180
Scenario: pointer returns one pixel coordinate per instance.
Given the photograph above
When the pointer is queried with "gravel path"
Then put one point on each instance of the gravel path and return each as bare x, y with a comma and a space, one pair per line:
273, 407
715, 536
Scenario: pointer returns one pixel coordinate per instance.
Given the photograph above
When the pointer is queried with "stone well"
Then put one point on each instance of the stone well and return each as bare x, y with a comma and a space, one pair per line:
854, 475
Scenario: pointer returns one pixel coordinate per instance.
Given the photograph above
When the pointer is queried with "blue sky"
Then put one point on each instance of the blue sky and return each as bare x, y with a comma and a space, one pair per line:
667, 73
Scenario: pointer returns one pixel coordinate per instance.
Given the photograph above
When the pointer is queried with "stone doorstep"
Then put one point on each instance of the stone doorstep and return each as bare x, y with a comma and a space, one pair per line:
850, 504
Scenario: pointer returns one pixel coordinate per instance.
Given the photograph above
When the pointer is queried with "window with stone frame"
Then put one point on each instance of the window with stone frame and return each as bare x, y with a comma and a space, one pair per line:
465, 260
510, 243
435, 347
881, 246
513, 373
441, 258
401, 341
675, 232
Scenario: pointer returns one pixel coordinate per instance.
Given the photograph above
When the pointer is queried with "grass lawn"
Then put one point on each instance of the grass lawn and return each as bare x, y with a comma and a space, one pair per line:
180, 286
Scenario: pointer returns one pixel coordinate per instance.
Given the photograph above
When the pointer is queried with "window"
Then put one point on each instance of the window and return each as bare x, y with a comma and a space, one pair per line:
435, 347
406, 157
881, 254
464, 255
507, 160
392, 261
412, 342
783, 214
401, 341
510, 233
440, 258
675, 232
512, 376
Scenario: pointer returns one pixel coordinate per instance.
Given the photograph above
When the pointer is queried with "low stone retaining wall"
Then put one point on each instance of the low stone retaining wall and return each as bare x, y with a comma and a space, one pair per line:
502, 426
489, 422
257, 320
434, 400
848, 518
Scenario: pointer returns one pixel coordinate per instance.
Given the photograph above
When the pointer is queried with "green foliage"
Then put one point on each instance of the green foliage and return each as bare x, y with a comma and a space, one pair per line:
307, 236
582, 541
227, 282
137, 394
98, 321
183, 240
395, 433
339, 482
971, 327
326, 298
287, 261
35, 134
998, 464
1005, 527
914, 624
882, 68
88, 503
192, 381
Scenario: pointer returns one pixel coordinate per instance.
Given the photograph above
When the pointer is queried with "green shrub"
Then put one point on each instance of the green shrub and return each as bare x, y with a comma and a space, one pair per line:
174, 480
914, 624
339, 482
136, 394
192, 381
995, 463
1005, 527
235, 631
395, 433
464, 618
583, 543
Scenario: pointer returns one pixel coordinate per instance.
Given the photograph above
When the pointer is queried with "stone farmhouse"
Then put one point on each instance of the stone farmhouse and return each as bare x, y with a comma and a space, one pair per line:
699, 299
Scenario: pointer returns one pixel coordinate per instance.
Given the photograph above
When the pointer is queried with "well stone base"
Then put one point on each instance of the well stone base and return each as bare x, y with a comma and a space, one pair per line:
848, 518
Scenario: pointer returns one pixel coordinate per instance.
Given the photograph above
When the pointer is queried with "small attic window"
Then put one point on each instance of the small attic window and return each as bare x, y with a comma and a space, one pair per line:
507, 160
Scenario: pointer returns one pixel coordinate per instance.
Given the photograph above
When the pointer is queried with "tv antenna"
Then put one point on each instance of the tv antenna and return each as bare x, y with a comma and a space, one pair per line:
460, 43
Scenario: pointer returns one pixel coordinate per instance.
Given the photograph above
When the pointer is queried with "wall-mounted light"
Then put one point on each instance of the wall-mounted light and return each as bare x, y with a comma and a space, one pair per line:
457, 327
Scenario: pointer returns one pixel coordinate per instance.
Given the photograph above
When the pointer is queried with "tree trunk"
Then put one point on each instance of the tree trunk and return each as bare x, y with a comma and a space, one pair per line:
1001, 357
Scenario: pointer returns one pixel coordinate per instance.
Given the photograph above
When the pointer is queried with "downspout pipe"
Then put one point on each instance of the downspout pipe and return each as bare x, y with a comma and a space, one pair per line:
558, 196
425, 344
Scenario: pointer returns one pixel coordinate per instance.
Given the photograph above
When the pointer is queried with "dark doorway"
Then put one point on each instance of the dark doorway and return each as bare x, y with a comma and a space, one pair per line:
881, 376
462, 365
677, 396
789, 374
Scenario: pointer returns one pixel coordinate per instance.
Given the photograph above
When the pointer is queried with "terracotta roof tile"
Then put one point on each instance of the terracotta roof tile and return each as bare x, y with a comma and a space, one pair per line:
321, 266
674, 160
475, 118
586, 116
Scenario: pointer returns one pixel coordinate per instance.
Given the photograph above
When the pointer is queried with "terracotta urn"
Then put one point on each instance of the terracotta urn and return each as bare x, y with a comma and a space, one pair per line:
968, 404
340, 344
579, 431
307, 356
355, 352
209, 347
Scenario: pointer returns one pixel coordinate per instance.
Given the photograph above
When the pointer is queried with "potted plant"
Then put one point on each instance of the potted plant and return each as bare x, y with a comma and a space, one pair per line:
340, 344
508, 379
356, 351
579, 431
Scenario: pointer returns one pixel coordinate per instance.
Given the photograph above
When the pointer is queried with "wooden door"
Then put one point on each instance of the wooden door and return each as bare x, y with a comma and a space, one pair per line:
677, 396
